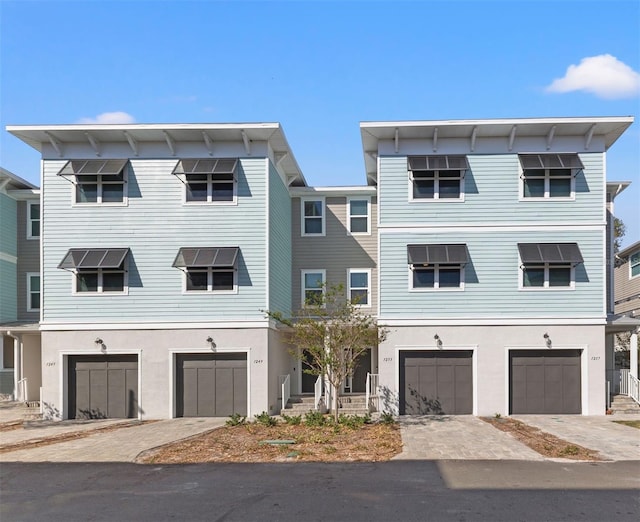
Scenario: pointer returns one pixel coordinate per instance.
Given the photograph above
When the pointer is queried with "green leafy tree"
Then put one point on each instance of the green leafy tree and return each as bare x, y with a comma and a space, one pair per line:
329, 334
619, 230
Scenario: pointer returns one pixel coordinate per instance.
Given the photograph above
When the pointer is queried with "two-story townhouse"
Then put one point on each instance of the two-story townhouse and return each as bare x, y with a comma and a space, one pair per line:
335, 244
162, 247
492, 263
20, 374
627, 281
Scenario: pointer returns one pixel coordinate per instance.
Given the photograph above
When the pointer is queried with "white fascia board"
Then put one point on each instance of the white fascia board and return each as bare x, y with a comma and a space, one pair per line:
64, 326
505, 321
331, 191
485, 122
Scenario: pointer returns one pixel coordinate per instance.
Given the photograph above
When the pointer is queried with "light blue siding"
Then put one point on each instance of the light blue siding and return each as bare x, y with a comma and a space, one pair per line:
154, 225
492, 188
8, 269
8, 291
8, 225
279, 244
492, 278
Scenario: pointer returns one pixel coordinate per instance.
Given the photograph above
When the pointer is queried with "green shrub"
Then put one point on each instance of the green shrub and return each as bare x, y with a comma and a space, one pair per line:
293, 420
314, 418
352, 421
387, 418
265, 419
235, 420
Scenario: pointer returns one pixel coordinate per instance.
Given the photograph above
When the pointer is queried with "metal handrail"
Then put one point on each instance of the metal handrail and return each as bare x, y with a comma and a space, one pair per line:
624, 381
317, 392
371, 391
285, 385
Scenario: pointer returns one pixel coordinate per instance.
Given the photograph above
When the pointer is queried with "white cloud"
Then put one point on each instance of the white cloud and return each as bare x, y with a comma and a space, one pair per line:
603, 75
109, 117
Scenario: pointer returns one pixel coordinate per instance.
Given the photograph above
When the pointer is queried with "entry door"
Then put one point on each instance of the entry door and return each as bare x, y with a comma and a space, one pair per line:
362, 367
308, 380
103, 386
211, 385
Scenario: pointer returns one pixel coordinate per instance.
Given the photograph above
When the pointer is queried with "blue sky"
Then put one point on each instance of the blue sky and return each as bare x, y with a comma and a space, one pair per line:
320, 68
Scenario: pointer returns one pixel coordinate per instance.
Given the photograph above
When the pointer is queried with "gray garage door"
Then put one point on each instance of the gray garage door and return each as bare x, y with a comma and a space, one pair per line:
211, 385
434, 382
103, 386
545, 381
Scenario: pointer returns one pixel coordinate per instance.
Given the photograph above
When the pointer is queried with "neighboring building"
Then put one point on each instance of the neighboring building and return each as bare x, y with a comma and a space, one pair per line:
492, 263
627, 281
480, 245
20, 365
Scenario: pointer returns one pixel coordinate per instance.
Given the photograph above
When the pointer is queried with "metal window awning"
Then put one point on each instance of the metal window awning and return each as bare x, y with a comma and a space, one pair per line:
111, 167
92, 258
454, 254
441, 162
550, 161
205, 257
534, 253
219, 166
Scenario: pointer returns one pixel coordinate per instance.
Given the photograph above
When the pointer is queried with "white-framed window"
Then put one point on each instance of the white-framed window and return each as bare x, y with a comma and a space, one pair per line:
437, 178
209, 180
33, 219
312, 213
101, 281
33, 292
436, 277
634, 265
359, 215
360, 287
313, 287
548, 176
547, 275
101, 188
211, 280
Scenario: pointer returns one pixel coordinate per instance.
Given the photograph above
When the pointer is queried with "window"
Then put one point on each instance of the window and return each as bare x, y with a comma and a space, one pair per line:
634, 264
208, 269
99, 270
359, 285
33, 220
97, 181
549, 175
312, 211
548, 265
437, 266
313, 287
33, 292
547, 276
437, 177
359, 216
208, 180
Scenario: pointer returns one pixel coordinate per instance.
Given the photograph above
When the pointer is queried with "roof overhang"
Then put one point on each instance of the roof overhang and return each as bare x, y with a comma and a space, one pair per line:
608, 128
136, 134
616, 187
11, 181
19, 327
629, 250
621, 323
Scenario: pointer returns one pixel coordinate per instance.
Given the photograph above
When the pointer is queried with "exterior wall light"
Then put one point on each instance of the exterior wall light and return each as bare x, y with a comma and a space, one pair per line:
438, 340
211, 342
547, 340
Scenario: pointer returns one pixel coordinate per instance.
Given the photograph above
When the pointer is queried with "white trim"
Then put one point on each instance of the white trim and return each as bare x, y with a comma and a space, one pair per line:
173, 372
546, 285
349, 216
267, 235
308, 192
182, 178
547, 183
63, 360
29, 291
31, 221
631, 276
436, 192
99, 202
303, 288
52, 326
492, 321
323, 217
349, 288
403, 228
8, 258
436, 284
100, 291
210, 270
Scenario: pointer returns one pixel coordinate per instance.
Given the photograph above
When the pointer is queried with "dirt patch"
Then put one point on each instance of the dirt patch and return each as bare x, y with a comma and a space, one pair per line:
631, 423
247, 443
544, 443
64, 437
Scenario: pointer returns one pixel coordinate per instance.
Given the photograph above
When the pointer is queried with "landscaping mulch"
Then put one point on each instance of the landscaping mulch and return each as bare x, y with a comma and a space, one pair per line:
544, 443
248, 443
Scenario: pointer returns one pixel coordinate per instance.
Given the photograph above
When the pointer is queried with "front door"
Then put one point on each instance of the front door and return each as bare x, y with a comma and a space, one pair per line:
308, 380
358, 381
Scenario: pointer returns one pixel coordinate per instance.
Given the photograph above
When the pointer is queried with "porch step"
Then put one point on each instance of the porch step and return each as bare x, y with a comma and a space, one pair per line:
622, 404
299, 405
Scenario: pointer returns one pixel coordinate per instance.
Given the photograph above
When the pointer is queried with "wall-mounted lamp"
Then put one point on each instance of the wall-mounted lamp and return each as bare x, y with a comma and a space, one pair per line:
211, 342
438, 340
547, 339
99, 342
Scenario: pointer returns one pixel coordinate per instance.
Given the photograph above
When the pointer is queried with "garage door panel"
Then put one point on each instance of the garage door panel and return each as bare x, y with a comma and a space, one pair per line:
436, 382
240, 391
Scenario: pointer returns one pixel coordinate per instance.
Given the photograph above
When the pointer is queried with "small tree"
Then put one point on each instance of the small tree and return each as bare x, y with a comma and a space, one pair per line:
619, 230
329, 334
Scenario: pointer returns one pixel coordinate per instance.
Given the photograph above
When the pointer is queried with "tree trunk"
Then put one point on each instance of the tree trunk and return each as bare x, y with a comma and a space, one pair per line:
334, 400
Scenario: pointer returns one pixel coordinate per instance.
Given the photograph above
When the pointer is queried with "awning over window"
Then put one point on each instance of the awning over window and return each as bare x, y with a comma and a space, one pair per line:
93, 258
215, 257
531, 253
437, 254
550, 161
206, 166
93, 167
442, 162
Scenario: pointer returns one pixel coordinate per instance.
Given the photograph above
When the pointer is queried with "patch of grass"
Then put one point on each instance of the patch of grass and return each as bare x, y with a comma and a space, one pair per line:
630, 423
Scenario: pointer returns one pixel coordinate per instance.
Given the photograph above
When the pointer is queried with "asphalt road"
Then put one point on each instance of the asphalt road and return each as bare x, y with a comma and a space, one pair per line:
391, 491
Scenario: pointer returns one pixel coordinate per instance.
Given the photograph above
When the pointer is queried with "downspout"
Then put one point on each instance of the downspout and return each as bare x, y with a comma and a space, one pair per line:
17, 362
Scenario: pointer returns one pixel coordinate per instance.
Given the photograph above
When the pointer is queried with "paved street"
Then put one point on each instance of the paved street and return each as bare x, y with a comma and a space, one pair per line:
392, 491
